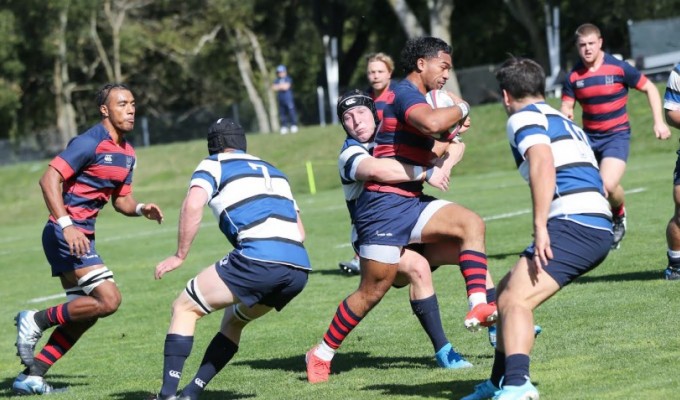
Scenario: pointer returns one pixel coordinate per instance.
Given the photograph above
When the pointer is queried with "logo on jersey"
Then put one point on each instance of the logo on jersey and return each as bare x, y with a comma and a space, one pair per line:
108, 158
580, 84
609, 79
128, 161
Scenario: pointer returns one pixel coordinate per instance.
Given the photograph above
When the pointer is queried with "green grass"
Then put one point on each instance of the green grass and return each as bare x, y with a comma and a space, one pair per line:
611, 335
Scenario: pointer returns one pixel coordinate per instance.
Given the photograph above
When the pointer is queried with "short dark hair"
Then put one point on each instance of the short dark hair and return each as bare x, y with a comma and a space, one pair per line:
521, 77
421, 47
103, 92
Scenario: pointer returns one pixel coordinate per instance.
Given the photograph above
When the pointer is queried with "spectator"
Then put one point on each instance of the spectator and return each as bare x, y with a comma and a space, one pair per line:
283, 85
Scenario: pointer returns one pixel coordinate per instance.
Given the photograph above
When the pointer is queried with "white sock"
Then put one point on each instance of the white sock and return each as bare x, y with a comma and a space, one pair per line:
324, 351
673, 253
476, 298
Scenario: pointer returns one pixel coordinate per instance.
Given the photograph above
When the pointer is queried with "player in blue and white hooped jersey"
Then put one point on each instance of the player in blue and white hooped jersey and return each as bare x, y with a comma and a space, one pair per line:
268, 267
671, 105
572, 221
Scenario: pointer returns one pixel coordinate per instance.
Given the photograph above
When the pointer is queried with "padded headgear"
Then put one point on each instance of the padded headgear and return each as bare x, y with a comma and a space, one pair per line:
225, 133
356, 98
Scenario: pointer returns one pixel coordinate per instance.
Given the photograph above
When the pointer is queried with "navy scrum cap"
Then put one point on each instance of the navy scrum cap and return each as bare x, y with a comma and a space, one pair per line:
225, 133
356, 98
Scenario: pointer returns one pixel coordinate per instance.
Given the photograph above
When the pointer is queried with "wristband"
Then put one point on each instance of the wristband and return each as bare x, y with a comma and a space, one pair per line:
428, 174
464, 109
64, 221
138, 209
418, 173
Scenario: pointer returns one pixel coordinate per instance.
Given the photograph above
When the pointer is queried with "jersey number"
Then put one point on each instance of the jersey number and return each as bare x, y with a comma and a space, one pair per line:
265, 174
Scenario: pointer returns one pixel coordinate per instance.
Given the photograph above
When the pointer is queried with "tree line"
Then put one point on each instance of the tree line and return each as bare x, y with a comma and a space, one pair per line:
188, 61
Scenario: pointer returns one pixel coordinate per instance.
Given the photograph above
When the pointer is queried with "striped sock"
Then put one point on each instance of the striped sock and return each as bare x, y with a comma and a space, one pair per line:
342, 324
49, 317
473, 268
57, 345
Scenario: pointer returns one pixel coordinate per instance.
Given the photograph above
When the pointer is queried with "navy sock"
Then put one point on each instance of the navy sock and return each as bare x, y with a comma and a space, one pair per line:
516, 369
490, 295
177, 349
427, 311
220, 350
498, 368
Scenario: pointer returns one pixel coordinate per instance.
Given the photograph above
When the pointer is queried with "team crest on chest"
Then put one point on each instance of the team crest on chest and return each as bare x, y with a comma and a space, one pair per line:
108, 158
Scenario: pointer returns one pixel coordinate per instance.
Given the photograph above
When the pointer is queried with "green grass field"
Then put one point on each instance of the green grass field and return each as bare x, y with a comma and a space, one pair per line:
610, 335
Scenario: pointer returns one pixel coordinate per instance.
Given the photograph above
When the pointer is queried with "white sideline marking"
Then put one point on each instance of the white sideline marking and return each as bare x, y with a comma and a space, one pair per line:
45, 298
507, 215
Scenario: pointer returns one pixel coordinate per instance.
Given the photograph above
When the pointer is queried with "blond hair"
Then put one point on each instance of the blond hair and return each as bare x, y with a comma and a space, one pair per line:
587, 29
383, 58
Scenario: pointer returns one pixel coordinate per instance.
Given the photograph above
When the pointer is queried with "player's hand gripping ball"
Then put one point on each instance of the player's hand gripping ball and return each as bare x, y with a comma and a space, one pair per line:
439, 99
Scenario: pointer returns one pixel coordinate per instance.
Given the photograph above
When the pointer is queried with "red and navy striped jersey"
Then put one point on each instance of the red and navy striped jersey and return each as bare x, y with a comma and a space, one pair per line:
94, 168
398, 139
603, 93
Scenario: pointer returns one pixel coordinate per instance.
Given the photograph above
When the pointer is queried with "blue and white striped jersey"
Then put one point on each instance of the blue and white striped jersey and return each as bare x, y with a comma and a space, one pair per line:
579, 191
254, 207
351, 155
671, 99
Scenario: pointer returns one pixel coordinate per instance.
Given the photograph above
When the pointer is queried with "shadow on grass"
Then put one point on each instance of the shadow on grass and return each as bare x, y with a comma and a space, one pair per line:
445, 390
207, 395
624, 277
343, 362
57, 381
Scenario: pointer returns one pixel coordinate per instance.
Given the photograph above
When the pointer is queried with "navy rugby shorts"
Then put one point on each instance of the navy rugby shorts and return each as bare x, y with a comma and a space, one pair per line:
576, 249
58, 253
259, 282
614, 145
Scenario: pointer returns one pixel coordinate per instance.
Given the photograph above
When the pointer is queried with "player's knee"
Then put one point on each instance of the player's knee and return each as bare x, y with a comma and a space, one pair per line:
418, 272
109, 304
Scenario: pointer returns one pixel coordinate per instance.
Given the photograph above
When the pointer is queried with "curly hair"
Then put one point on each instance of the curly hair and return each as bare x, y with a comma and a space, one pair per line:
103, 92
426, 47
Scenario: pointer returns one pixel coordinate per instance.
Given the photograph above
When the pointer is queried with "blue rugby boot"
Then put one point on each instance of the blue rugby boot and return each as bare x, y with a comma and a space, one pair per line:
483, 391
525, 392
447, 357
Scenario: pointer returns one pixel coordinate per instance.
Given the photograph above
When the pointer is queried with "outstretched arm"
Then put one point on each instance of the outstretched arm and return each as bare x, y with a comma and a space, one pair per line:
127, 205
189, 222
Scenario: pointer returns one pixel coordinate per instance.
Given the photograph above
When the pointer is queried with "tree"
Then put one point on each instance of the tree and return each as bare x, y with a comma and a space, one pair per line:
440, 12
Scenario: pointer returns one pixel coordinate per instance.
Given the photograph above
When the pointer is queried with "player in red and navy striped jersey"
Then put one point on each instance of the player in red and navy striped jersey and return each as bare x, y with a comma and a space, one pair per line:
95, 167
600, 83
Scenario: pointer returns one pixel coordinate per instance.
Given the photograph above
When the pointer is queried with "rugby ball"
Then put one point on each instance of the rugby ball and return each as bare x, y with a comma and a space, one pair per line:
438, 99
